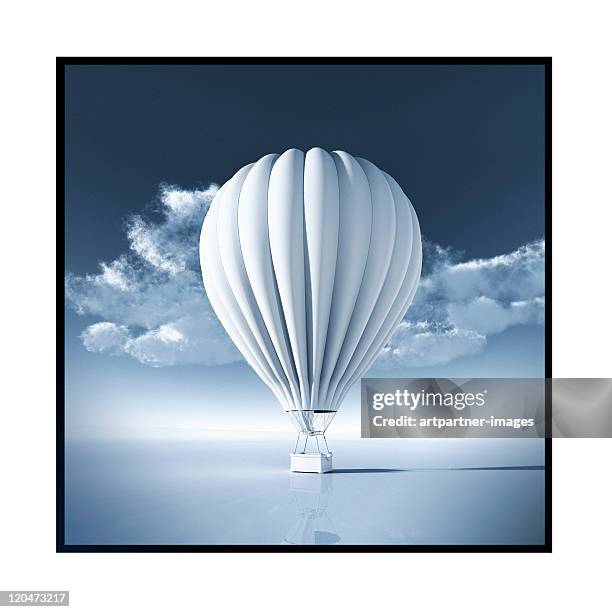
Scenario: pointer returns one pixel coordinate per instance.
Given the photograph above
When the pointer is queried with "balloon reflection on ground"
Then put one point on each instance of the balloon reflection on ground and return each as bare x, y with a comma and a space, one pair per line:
311, 493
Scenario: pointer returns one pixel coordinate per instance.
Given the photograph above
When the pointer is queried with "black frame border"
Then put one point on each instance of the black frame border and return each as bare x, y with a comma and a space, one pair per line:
61, 64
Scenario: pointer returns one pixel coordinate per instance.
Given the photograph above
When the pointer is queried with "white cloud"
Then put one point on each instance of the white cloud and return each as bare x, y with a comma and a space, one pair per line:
514, 276
190, 340
459, 304
488, 316
105, 337
169, 246
421, 344
182, 203
148, 242
150, 303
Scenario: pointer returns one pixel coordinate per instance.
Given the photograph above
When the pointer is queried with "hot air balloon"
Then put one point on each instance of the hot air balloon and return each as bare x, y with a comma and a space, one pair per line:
310, 261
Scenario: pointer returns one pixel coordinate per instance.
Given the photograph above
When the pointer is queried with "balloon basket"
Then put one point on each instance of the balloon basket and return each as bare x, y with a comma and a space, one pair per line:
318, 462
311, 463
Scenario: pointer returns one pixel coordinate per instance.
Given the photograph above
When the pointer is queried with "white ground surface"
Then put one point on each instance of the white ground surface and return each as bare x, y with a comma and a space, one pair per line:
241, 492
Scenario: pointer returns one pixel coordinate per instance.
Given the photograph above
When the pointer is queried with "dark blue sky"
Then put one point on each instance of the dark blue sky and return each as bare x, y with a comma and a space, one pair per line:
465, 143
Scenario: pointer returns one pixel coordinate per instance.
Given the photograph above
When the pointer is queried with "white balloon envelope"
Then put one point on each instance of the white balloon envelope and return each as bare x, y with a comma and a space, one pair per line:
310, 261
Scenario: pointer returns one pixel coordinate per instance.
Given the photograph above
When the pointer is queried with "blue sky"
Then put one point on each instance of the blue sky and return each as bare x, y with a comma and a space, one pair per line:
146, 149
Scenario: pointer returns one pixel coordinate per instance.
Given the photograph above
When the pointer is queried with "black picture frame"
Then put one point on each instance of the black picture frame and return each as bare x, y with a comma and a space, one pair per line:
61, 64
